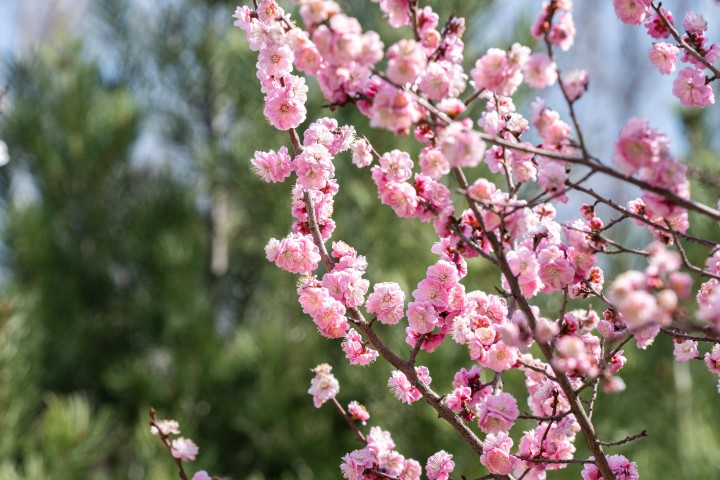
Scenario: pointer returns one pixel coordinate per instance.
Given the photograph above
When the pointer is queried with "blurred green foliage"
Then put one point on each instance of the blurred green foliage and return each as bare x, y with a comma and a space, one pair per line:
133, 239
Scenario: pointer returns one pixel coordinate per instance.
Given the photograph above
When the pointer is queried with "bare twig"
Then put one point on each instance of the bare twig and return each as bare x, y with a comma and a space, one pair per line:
625, 440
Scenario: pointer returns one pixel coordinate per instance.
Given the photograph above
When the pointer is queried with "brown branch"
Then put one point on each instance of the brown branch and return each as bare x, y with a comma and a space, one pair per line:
416, 349
537, 369
697, 338
380, 474
552, 418
547, 460
625, 440
686, 261
621, 209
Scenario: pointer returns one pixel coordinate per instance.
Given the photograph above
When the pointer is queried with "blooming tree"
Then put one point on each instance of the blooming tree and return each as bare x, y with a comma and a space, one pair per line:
566, 356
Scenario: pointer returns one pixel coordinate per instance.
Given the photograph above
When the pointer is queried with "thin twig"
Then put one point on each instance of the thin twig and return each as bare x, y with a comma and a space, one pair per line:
625, 440
704, 338
349, 421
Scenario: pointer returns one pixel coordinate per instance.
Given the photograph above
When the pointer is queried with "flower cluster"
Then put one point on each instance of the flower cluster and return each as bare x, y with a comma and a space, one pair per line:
691, 85
181, 448
646, 301
379, 455
324, 386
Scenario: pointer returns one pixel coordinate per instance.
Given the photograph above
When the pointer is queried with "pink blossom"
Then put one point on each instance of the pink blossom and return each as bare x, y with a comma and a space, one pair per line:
442, 79
314, 166
444, 273
356, 351
362, 153
694, 23
355, 463
201, 475
371, 49
712, 359
524, 266
282, 111
396, 165
401, 197
422, 317
406, 60
496, 453
244, 17
439, 465
432, 291
330, 318
268, 11
433, 163
691, 89
562, 33
394, 110
706, 292
685, 351
317, 11
275, 60
631, 11
347, 285
387, 301
548, 123
338, 41
402, 388
498, 413
324, 386
165, 428
358, 411
273, 166
614, 384
621, 467
379, 441
184, 449
459, 398
396, 11
575, 83
500, 357
523, 168
497, 73
639, 146
638, 309
411, 470
663, 56
555, 269
462, 147
540, 71
656, 28
295, 253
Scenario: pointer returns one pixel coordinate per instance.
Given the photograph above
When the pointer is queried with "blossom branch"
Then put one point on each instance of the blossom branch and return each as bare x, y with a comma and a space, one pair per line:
165, 439
432, 398
678, 38
562, 380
